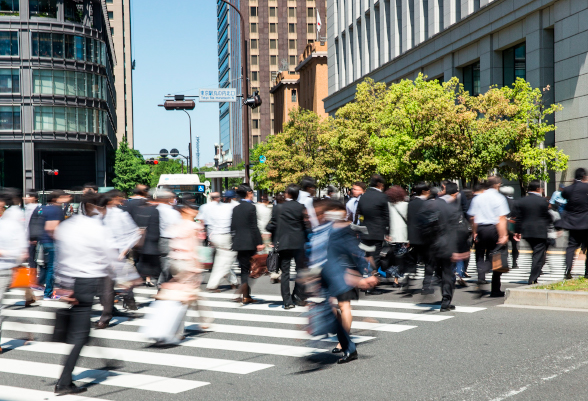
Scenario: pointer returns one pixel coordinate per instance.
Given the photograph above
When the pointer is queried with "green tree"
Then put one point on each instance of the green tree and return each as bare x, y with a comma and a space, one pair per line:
129, 168
172, 166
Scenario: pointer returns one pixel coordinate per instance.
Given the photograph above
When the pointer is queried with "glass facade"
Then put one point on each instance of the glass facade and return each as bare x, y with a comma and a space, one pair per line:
70, 83
471, 78
57, 45
9, 118
8, 43
70, 119
43, 8
9, 8
514, 64
9, 80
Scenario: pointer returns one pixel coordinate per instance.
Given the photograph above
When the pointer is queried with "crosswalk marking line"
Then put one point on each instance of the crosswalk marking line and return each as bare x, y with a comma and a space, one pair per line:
103, 377
399, 316
403, 305
145, 357
24, 394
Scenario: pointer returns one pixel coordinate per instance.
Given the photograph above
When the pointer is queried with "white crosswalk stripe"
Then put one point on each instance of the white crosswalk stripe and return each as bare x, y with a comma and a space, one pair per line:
262, 328
24, 394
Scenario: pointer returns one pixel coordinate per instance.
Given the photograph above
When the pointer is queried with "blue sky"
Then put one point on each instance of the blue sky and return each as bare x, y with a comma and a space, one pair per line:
176, 52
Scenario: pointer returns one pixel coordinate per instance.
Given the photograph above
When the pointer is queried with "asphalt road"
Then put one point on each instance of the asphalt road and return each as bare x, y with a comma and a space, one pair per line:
409, 351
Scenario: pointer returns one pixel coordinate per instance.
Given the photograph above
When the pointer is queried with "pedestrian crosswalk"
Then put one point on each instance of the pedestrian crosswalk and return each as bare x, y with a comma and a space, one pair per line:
226, 346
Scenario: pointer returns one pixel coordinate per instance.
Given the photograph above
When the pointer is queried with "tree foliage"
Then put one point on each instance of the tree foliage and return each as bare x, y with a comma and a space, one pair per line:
129, 168
172, 166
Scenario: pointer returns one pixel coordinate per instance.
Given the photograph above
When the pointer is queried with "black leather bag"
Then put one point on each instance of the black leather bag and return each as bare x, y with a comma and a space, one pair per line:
272, 261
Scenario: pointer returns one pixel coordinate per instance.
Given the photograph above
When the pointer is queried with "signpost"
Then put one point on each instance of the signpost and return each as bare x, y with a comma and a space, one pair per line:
218, 95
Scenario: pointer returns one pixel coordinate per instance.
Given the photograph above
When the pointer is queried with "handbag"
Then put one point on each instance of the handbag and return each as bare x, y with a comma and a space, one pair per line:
272, 261
499, 260
23, 277
321, 319
258, 265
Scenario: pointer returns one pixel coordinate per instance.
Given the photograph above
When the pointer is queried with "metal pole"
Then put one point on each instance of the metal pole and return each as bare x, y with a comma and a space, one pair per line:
190, 155
43, 180
244, 90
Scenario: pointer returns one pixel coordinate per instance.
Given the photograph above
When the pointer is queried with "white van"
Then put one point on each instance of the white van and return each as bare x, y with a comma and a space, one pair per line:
185, 185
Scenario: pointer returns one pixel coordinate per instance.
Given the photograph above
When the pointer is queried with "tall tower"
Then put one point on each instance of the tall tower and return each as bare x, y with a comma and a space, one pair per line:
119, 16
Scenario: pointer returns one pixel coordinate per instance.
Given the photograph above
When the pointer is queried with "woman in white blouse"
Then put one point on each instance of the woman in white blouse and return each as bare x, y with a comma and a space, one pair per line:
398, 236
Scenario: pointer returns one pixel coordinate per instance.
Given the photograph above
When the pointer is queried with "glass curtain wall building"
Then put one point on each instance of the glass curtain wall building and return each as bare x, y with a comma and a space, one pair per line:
57, 96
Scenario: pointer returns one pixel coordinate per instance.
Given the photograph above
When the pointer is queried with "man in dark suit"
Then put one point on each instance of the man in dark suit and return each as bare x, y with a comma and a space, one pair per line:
147, 217
373, 207
532, 222
246, 237
136, 201
288, 232
419, 247
575, 218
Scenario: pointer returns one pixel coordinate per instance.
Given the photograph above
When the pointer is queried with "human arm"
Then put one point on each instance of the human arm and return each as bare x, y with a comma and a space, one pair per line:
502, 232
255, 229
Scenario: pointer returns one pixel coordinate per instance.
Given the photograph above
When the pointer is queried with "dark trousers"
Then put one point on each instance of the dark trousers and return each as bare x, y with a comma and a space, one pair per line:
106, 295
515, 248
539, 246
422, 253
378, 244
244, 259
486, 243
85, 289
46, 275
447, 280
284, 259
577, 238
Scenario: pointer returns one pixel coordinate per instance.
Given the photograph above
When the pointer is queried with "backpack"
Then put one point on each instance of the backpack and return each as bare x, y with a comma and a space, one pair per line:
37, 224
428, 222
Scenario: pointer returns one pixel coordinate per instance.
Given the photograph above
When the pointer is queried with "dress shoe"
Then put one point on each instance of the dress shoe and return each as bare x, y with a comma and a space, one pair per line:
461, 282
101, 325
374, 291
396, 285
514, 266
289, 306
427, 291
247, 301
298, 301
447, 308
233, 287
568, 276
29, 302
481, 282
130, 303
466, 275
336, 350
497, 294
275, 280
348, 357
71, 389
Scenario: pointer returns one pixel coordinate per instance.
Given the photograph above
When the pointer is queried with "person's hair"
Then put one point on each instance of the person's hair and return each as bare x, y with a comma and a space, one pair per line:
307, 182
580, 173
396, 194
360, 184
106, 198
421, 187
534, 186
507, 191
375, 180
494, 180
91, 185
242, 190
293, 190
92, 199
54, 195
450, 188
328, 205
164, 194
141, 190
264, 198
32, 194
480, 186
215, 195
280, 198
331, 190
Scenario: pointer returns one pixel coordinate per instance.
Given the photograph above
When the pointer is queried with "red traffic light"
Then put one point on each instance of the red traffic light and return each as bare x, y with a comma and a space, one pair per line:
52, 172
55, 172
155, 162
151, 161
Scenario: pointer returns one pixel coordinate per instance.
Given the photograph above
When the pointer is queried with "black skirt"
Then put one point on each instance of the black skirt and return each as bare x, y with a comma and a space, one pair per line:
149, 266
351, 295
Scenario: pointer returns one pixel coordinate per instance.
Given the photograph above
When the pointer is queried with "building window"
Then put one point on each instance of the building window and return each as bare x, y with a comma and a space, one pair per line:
310, 41
253, 28
310, 28
255, 140
271, 108
111, 31
294, 96
70, 83
310, 12
273, 11
273, 28
292, 12
476, 5
71, 47
254, 43
255, 75
9, 80
70, 119
273, 60
273, 44
74, 11
253, 11
9, 8
9, 118
8, 43
110, 15
292, 44
57, 40
471, 78
255, 124
514, 64
292, 61
292, 28
43, 8
254, 60
109, 1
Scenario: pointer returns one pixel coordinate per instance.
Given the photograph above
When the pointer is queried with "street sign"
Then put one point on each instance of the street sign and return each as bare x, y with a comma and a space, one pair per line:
218, 95
262, 159
201, 188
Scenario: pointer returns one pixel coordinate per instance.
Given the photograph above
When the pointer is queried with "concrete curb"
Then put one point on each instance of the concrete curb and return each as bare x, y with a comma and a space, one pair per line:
527, 295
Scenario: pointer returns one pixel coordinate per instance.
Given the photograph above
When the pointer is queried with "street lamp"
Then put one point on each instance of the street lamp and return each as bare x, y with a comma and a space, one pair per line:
179, 102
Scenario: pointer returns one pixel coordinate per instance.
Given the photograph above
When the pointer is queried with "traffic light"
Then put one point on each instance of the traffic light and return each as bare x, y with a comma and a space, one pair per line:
52, 172
254, 101
179, 103
152, 161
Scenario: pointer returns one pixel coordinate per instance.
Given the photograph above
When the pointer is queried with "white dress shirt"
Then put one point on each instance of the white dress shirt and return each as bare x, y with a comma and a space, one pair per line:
352, 208
398, 227
13, 242
488, 206
220, 221
84, 248
168, 216
264, 215
123, 229
305, 199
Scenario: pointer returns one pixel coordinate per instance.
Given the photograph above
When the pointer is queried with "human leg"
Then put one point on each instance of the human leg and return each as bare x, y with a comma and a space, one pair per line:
49, 257
284, 260
574, 242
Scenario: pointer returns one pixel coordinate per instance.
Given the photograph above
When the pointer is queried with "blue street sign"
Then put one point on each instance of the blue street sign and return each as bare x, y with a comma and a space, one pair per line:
201, 188
262, 159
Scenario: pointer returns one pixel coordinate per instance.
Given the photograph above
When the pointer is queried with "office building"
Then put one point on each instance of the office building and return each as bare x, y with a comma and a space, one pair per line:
482, 42
119, 16
58, 101
277, 31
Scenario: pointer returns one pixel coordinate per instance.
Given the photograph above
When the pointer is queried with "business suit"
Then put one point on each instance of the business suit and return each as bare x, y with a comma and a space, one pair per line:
289, 236
532, 222
149, 260
246, 238
575, 220
445, 245
419, 248
373, 206
512, 205
133, 206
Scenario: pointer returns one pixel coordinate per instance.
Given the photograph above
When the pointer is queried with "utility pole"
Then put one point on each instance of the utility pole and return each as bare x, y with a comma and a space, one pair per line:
198, 152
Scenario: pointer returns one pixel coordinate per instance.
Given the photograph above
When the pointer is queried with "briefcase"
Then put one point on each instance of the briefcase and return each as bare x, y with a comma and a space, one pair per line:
500, 260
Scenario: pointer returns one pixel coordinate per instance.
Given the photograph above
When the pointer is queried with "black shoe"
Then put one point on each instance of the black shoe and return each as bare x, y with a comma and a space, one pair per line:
374, 291
568, 276
447, 308
71, 389
101, 325
298, 301
466, 275
498, 294
396, 285
129, 303
348, 357
514, 266
427, 291
290, 306
481, 282
336, 350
